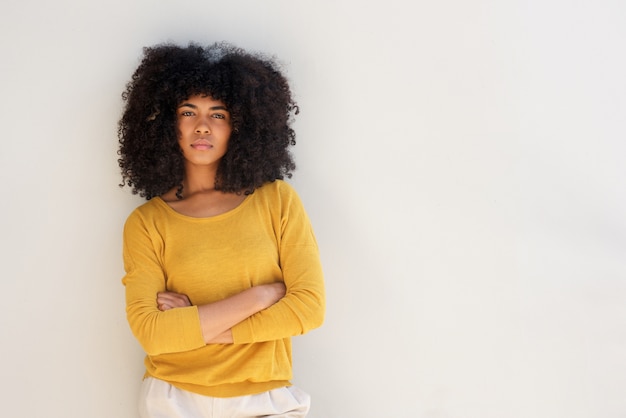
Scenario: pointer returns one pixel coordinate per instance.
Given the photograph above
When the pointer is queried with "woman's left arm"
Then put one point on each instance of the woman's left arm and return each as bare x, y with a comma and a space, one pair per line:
303, 306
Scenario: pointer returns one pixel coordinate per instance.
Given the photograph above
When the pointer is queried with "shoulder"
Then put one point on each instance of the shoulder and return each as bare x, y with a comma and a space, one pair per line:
278, 193
282, 199
153, 208
277, 188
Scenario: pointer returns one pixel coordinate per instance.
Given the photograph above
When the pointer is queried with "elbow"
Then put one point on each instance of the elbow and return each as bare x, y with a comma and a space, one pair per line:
150, 349
318, 317
315, 316
142, 327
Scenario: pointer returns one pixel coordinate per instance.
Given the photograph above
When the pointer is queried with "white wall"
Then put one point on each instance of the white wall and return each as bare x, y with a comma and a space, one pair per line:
461, 162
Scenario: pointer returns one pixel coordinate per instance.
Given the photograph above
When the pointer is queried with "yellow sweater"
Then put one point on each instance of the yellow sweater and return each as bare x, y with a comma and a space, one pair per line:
267, 238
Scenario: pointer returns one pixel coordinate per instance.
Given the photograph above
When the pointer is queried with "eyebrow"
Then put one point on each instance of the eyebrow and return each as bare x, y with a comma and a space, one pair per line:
193, 106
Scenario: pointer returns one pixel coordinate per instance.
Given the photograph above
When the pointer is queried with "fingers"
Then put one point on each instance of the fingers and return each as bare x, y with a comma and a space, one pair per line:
171, 300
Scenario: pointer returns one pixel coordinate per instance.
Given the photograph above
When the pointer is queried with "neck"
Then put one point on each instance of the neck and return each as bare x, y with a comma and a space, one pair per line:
199, 179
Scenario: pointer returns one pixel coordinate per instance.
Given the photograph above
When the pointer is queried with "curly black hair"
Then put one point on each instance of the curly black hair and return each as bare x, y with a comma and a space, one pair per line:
251, 86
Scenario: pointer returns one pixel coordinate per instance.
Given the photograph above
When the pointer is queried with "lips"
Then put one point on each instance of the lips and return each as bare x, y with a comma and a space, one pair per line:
201, 145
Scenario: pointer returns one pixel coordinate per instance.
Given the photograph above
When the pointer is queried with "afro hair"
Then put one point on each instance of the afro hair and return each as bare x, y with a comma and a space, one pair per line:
251, 86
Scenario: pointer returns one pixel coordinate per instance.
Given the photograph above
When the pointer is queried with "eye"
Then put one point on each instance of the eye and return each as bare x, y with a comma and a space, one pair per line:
219, 116
186, 113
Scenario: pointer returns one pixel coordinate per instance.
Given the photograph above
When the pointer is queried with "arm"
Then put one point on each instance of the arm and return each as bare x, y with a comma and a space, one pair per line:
217, 318
157, 332
302, 309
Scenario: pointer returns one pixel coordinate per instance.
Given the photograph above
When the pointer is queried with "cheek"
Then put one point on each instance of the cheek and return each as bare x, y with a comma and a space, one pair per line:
184, 125
224, 131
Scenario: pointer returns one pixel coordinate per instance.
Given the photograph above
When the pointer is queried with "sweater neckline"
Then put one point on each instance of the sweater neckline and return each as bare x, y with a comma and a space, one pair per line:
226, 214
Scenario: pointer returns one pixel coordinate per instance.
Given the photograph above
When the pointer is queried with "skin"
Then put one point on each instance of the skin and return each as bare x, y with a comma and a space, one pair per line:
204, 127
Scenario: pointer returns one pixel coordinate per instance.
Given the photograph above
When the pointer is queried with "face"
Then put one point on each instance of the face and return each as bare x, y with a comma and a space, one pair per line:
204, 128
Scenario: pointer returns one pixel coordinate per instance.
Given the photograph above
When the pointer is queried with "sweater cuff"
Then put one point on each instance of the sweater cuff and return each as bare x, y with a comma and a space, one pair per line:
242, 332
191, 330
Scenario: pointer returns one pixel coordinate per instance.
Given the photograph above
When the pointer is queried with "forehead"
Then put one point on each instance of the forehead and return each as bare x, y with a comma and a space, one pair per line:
202, 101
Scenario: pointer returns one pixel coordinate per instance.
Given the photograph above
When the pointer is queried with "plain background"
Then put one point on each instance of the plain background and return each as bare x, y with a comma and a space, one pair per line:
461, 161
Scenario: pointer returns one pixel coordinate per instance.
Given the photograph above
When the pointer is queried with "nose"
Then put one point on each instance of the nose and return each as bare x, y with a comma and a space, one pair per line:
203, 127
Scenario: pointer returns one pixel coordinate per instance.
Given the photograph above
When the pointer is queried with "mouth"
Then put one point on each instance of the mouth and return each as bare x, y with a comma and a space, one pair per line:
201, 145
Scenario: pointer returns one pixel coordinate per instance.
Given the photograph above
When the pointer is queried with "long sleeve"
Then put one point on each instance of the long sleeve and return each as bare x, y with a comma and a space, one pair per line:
158, 332
303, 307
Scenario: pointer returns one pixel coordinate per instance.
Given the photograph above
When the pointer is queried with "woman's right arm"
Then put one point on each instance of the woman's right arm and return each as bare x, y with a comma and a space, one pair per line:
217, 318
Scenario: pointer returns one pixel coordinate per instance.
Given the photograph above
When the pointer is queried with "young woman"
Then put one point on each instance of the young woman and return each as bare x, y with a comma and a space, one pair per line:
222, 266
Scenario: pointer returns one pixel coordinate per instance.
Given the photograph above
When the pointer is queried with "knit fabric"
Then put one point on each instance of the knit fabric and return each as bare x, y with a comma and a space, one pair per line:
267, 238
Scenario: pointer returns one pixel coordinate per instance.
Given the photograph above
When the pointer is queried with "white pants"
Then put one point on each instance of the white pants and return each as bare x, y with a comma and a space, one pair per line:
159, 399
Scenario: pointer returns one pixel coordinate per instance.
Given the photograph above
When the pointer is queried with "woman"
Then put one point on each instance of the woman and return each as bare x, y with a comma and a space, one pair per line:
222, 266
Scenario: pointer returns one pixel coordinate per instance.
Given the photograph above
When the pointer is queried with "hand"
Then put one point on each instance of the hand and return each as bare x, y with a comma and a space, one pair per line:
171, 300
